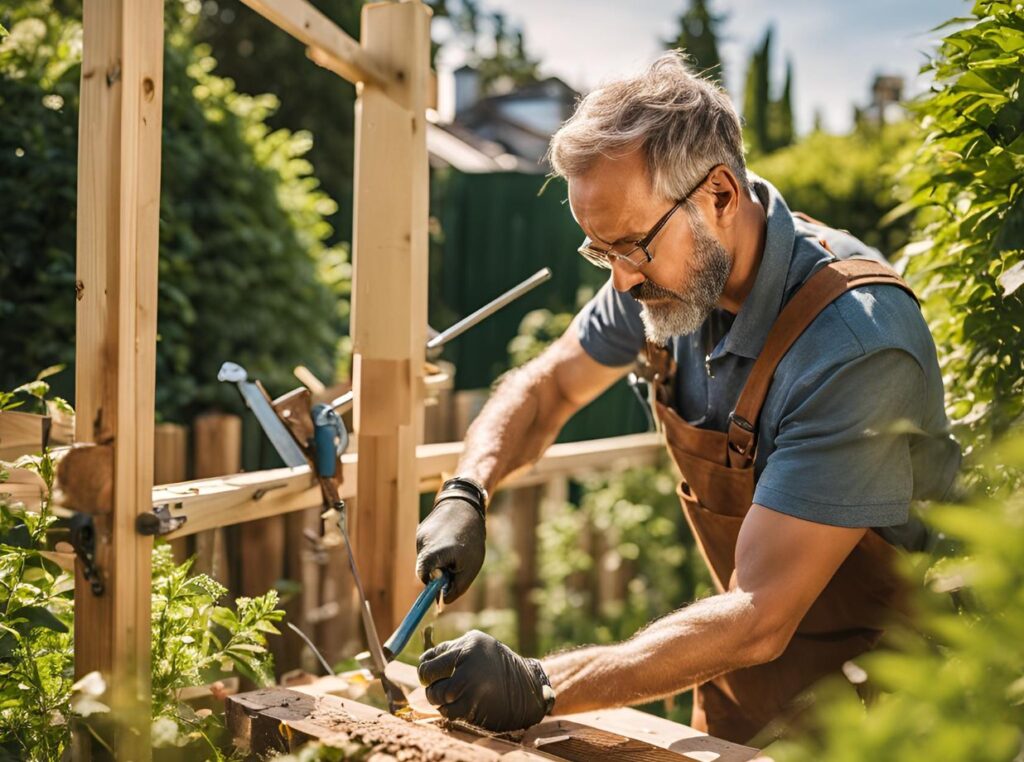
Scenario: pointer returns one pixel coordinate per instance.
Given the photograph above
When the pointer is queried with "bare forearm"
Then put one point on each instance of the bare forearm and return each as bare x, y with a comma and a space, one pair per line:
706, 639
519, 421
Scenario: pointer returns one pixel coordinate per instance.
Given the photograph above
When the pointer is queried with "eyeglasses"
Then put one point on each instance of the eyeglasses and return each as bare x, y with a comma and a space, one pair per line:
639, 253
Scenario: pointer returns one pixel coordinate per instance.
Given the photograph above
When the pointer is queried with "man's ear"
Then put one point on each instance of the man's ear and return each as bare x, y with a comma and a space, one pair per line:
725, 191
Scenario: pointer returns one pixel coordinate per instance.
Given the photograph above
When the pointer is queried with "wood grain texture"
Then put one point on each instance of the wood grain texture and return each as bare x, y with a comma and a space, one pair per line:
117, 239
22, 434
389, 303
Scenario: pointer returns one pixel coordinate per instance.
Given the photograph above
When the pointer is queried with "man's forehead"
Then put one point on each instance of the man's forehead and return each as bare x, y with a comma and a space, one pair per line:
611, 200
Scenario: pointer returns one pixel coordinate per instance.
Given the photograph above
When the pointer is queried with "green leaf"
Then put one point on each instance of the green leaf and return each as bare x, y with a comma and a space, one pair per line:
38, 616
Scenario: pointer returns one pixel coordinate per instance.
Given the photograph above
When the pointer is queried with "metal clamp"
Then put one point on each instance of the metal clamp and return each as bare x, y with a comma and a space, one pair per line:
83, 540
159, 521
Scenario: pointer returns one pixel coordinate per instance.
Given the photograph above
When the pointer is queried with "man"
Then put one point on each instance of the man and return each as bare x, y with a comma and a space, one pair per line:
798, 389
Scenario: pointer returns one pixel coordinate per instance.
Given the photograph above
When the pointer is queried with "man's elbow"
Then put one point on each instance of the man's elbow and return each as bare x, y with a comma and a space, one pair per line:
768, 636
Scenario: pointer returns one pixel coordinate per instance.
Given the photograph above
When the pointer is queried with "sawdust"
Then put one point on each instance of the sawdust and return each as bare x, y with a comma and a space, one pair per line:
392, 738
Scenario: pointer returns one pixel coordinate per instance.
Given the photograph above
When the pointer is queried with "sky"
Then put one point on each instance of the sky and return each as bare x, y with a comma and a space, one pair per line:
837, 46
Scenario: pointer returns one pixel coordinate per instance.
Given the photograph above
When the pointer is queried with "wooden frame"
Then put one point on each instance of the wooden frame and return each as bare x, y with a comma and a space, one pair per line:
117, 240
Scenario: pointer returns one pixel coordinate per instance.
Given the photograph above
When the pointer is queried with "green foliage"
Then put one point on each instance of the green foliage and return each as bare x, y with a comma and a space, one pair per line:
627, 537
496, 49
965, 182
244, 271
259, 58
194, 640
536, 332
847, 181
35, 636
768, 120
955, 689
698, 36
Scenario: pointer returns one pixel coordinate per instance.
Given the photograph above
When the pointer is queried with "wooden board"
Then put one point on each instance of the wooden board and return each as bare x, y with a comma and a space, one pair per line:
282, 720
117, 241
334, 49
389, 303
22, 434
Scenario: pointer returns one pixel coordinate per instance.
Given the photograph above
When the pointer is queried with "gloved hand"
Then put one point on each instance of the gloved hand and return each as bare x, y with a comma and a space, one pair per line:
452, 537
482, 681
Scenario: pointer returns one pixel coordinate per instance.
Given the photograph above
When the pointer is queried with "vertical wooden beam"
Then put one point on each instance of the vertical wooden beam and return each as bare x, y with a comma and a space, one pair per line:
118, 208
525, 516
389, 303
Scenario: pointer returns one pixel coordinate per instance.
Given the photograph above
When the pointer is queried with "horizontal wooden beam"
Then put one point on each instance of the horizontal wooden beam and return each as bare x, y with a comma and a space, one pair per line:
328, 44
212, 503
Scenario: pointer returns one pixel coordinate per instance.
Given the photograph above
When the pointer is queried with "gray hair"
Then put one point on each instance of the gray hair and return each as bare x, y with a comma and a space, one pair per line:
684, 123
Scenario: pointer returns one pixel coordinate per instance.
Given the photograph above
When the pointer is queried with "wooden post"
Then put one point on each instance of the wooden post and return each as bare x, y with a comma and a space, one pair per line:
170, 465
115, 369
218, 452
389, 304
524, 510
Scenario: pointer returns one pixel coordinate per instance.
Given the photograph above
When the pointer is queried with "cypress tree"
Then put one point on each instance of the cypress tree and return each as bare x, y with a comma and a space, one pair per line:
782, 110
698, 36
757, 98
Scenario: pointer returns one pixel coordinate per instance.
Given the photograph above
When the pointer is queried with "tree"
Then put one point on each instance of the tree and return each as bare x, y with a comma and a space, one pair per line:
260, 58
244, 271
757, 97
506, 64
768, 120
698, 36
781, 123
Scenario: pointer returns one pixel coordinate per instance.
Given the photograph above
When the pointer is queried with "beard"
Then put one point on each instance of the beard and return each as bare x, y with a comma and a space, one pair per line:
666, 313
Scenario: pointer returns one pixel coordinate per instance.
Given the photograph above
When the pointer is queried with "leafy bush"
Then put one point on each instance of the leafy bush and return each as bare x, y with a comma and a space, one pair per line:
846, 181
244, 272
634, 521
967, 262
194, 641
955, 689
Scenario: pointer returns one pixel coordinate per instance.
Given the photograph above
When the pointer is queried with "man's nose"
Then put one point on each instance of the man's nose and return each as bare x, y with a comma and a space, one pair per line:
625, 276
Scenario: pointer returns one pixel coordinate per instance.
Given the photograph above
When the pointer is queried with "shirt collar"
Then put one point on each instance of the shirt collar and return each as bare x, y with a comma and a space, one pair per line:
764, 302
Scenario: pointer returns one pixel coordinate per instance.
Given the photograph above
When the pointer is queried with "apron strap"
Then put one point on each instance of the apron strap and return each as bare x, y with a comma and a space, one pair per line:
658, 367
819, 291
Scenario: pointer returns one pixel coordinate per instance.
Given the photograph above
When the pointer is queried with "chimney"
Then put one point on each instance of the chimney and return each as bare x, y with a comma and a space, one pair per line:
467, 89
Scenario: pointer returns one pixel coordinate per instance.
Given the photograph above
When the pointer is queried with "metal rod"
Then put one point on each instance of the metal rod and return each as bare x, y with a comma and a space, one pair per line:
489, 309
342, 403
314, 649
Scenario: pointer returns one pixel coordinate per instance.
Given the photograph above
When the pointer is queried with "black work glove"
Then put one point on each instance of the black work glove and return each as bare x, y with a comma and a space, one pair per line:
452, 537
482, 681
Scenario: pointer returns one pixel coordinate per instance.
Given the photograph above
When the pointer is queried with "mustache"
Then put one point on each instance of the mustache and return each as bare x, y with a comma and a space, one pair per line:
651, 290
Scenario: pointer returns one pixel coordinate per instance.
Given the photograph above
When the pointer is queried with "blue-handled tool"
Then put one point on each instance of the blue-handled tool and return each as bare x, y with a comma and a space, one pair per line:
401, 636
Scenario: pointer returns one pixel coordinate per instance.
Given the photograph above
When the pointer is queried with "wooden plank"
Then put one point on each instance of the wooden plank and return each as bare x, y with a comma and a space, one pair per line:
117, 240
22, 434
170, 464
218, 451
389, 303
330, 46
281, 720
210, 503
24, 486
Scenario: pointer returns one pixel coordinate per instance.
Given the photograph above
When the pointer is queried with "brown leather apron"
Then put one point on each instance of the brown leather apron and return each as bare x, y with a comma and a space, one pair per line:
717, 491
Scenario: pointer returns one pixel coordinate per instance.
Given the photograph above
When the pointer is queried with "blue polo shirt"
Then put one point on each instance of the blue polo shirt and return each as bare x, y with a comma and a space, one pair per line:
854, 425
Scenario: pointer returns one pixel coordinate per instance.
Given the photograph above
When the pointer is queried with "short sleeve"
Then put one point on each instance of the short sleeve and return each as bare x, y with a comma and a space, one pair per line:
842, 451
610, 328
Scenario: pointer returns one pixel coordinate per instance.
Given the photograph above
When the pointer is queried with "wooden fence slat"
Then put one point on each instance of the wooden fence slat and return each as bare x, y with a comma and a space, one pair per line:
218, 452
170, 464
117, 239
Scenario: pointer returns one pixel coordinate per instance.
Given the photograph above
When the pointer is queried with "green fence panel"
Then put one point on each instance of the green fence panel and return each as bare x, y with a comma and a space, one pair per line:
496, 230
